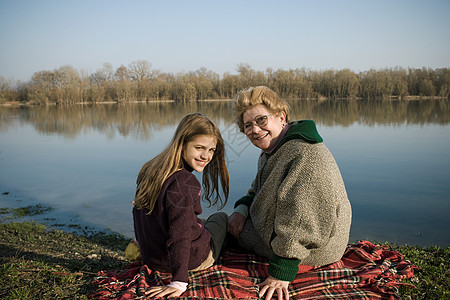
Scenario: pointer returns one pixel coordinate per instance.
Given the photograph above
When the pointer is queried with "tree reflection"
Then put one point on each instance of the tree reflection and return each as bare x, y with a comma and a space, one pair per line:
140, 120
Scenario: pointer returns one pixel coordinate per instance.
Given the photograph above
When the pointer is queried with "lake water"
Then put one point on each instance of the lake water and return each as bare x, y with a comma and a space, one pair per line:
83, 160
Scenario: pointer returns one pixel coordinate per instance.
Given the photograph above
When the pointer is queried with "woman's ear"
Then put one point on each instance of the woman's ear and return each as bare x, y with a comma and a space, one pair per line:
282, 116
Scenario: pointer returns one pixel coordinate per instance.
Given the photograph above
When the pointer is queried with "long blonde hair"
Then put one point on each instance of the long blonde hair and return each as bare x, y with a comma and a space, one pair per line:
252, 96
155, 172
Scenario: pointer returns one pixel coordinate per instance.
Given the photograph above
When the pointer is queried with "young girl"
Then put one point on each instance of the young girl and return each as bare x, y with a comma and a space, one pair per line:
170, 235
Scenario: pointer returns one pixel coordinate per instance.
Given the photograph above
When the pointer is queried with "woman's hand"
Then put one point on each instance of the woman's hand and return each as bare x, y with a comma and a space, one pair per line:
272, 285
235, 224
163, 290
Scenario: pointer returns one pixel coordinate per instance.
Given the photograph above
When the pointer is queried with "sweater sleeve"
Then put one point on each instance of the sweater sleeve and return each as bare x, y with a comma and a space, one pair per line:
180, 198
283, 268
306, 207
246, 200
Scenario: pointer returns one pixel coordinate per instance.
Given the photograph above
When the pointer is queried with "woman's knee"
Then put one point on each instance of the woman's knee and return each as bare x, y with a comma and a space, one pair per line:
217, 227
219, 217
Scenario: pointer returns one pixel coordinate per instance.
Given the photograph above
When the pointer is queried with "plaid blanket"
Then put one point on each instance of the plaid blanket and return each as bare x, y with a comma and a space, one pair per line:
366, 271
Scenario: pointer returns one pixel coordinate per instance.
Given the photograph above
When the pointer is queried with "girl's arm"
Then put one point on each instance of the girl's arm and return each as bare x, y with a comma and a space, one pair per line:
180, 200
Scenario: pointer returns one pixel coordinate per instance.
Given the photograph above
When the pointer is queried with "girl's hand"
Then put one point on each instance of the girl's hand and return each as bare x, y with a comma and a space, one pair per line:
163, 291
235, 224
272, 285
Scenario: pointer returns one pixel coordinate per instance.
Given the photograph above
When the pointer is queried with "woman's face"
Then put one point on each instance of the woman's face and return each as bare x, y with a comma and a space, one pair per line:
263, 136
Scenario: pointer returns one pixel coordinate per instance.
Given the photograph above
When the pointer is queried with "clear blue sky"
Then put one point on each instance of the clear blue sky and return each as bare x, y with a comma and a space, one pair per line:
182, 36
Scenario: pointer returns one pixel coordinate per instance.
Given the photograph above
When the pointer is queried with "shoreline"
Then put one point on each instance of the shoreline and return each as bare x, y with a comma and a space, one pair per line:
33, 211
394, 98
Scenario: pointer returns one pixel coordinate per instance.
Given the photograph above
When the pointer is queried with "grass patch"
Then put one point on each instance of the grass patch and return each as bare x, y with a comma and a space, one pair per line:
38, 263
30, 210
433, 273
28, 279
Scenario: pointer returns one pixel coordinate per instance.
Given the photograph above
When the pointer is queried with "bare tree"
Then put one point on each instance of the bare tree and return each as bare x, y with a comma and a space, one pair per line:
139, 70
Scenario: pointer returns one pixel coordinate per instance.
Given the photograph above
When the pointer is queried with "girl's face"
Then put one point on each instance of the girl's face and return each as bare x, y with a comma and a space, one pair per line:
265, 135
199, 151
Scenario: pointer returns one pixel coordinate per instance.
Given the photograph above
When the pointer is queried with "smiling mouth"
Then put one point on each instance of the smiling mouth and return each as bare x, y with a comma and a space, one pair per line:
201, 163
261, 137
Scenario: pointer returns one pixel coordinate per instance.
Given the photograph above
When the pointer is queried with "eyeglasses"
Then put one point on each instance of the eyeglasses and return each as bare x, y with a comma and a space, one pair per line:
260, 121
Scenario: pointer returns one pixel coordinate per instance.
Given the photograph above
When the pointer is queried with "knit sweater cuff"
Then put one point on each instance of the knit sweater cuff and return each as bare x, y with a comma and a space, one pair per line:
246, 200
242, 209
283, 268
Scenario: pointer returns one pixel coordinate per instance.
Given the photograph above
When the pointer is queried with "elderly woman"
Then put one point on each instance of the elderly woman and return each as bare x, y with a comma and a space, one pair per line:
297, 211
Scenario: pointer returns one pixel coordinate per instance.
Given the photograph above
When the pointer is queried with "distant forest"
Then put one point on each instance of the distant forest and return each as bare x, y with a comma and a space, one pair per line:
139, 82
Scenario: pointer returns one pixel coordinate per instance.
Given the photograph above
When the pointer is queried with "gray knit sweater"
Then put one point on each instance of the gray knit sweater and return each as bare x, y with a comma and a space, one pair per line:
299, 210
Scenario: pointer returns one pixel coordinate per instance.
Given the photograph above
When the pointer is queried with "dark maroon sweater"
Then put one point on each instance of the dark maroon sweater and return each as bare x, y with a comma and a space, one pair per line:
172, 238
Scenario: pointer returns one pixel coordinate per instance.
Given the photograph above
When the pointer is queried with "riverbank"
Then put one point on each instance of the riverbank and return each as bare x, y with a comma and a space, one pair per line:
393, 98
46, 263
43, 263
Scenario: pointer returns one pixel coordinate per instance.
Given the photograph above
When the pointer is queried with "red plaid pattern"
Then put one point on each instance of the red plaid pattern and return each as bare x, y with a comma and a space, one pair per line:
366, 271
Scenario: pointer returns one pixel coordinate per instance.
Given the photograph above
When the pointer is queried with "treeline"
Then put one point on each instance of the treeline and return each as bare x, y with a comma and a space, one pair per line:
139, 82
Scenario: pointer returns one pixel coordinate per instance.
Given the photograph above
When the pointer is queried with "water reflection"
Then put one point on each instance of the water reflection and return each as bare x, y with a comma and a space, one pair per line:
83, 160
142, 119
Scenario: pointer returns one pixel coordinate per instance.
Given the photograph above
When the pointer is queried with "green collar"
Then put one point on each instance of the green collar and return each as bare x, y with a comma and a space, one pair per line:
305, 130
